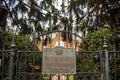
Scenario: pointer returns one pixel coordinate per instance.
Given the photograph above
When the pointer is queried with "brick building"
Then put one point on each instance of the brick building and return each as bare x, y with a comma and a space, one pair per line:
59, 41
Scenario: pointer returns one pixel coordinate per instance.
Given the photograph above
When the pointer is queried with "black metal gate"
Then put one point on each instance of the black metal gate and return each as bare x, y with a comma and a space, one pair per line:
90, 65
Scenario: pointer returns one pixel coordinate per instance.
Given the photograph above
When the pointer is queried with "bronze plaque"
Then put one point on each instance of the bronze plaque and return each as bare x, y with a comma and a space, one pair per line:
59, 60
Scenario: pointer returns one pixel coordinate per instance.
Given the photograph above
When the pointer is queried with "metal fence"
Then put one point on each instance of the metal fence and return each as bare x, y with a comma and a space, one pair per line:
114, 65
4, 64
28, 65
90, 65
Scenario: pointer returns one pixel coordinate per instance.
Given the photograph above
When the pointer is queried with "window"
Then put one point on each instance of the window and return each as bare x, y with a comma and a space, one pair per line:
59, 43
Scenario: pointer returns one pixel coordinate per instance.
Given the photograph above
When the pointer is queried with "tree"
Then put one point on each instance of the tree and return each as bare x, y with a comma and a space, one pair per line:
21, 41
33, 15
96, 39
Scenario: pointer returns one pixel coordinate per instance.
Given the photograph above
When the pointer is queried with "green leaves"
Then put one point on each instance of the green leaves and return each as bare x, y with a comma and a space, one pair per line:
20, 40
35, 15
96, 38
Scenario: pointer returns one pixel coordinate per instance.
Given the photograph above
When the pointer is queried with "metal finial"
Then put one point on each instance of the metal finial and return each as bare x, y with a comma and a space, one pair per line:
13, 43
105, 43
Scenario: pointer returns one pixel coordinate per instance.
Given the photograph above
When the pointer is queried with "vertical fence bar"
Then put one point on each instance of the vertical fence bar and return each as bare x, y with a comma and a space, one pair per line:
50, 77
75, 77
25, 59
92, 65
51, 31
58, 76
115, 64
67, 77
83, 49
84, 65
12, 53
74, 41
106, 60
42, 45
59, 36
19, 57
17, 65
2, 62
34, 54
101, 66
83, 43
67, 36
1, 66
34, 37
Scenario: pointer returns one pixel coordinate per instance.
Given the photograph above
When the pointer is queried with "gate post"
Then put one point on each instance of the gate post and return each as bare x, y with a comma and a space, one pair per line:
105, 46
12, 53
